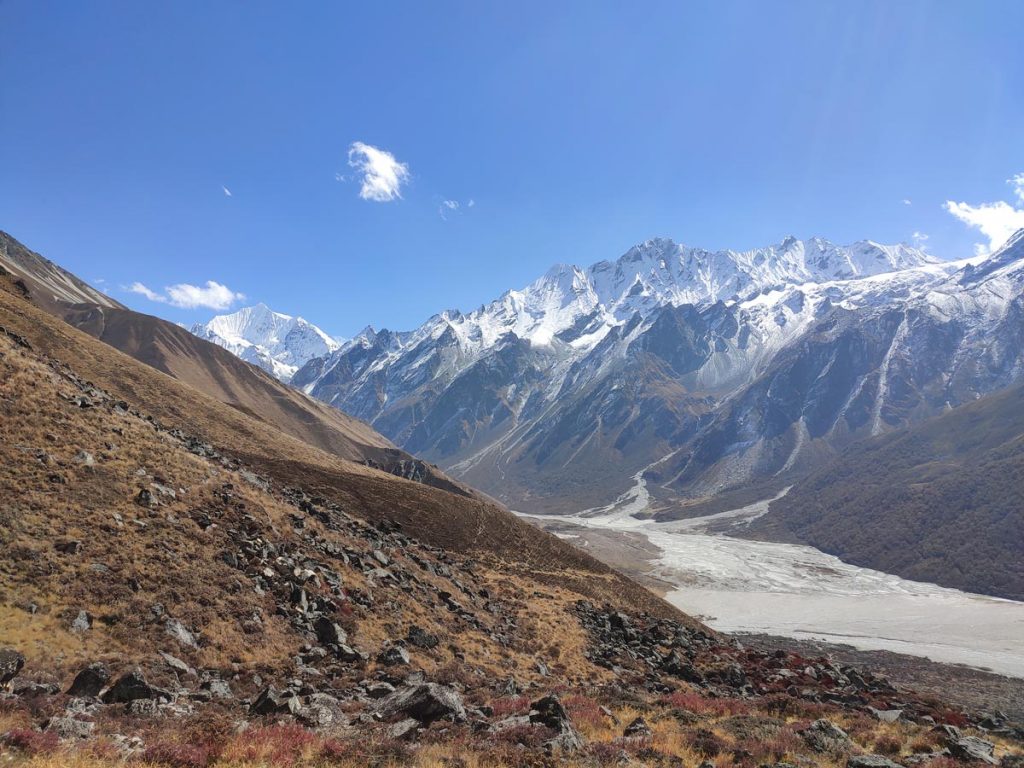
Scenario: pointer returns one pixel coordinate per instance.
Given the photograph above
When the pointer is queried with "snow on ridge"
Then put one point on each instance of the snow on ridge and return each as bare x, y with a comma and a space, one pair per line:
276, 342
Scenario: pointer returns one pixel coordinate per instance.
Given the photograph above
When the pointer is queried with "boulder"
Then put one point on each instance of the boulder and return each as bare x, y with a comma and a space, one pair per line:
404, 729
132, 686
11, 663
826, 736
90, 681
70, 728
329, 633
181, 633
549, 712
421, 638
81, 623
973, 748
393, 656
272, 702
886, 715
425, 703
638, 729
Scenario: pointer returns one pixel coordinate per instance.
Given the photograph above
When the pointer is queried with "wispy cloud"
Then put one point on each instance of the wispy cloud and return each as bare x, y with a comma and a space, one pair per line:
920, 240
907, 201
227, 192
213, 295
449, 207
382, 175
997, 221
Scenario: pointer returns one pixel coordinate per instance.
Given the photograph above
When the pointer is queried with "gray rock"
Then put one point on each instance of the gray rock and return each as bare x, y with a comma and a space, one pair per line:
323, 711
379, 690
181, 633
70, 728
219, 689
11, 663
425, 702
396, 655
421, 638
870, 761
886, 715
329, 633
133, 686
177, 664
548, 711
269, 702
638, 728
404, 729
90, 681
973, 748
826, 736
81, 623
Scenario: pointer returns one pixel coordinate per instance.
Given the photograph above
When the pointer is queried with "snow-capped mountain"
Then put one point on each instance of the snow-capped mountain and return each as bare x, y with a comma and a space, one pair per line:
279, 344
709, 370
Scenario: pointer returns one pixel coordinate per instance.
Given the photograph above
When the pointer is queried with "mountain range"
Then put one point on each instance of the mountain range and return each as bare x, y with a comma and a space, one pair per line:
715, 377
715, 371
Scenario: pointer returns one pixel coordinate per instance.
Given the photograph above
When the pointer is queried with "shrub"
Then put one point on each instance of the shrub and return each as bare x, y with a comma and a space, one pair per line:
887, 744
584, 711
701, 705
31, 742
510, 705
177, 755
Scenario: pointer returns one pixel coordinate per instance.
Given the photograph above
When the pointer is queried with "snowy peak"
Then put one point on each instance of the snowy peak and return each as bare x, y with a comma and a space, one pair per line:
278, 343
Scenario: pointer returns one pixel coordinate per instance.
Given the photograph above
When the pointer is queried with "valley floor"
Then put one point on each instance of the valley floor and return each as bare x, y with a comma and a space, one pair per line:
741, 585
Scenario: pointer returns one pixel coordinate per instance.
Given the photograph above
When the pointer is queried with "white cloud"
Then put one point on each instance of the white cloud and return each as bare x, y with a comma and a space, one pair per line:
383, 176
996, 221
471, 203
227, 192
920, 240
907, 201
211, 296
149, 294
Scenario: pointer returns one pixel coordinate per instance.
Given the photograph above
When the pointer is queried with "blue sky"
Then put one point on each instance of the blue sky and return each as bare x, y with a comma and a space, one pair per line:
576, 128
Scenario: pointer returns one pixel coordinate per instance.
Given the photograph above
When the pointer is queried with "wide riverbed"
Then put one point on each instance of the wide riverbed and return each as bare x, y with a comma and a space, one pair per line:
738, 585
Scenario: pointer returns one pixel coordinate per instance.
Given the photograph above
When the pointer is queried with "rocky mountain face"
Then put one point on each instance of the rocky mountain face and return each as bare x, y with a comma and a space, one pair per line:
279, 344
708, 371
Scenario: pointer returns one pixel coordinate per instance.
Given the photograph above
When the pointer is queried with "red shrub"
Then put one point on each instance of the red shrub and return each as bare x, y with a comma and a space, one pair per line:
584, 710
31, 742
281, 744
332, 749
510, 705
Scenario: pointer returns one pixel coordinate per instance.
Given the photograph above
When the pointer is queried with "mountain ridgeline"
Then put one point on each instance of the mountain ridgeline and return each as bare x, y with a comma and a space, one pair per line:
721, 376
